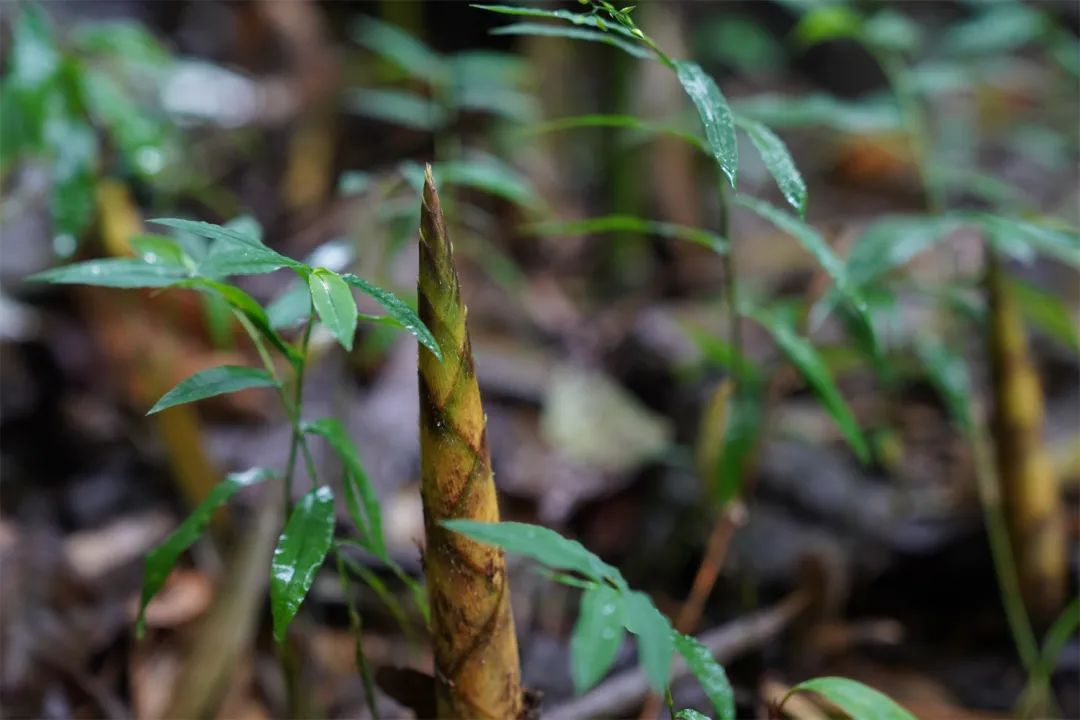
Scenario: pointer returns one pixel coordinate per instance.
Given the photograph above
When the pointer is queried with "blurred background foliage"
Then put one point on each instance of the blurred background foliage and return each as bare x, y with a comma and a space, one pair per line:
935, 140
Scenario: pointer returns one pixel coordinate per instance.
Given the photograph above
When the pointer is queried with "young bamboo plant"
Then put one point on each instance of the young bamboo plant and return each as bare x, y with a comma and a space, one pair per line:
208, 255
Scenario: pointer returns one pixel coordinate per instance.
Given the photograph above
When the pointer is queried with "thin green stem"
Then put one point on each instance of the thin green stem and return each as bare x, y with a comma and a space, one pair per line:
293, 409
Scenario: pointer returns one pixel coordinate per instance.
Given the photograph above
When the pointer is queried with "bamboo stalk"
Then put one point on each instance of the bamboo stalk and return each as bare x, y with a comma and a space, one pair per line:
476, 655
1030, 493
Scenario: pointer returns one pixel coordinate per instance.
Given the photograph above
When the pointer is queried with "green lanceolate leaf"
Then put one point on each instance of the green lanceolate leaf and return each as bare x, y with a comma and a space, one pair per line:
598, 634
740, 438
575, 18
234, 251
1009, 233
816, 373
655, 640
715, 116
291, 308
574, 33
777, 160
709, 674
243, 303
892, 242
628, 223
160, 560
490, 175
335, 305
400, 107
815, 244
948, 374
401, 48
855, 699
358, 487
161, 250
628, 122
1047, 312
299, 555
398, 310
212, 382
113, 272
541, 544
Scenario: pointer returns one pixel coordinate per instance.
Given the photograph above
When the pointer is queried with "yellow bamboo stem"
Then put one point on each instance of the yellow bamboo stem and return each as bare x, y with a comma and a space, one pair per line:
1030, 493
476, 655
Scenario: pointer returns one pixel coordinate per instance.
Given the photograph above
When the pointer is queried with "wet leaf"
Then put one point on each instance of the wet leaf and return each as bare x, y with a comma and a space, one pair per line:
334, 304
211, 383
299, 555
715, 116
398, 310
574, 33
160, 250
160, 560
541, 544
358, 487
598, 635
854, 698
777, 160
575, 18
655, 641
709, 673
113, 272
690, 714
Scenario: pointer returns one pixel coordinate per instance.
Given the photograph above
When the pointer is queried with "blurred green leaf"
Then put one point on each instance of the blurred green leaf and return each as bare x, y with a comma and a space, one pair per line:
299, 555
628, 223
160, 561
736, 40
999, 28
597, 637
891, 31
892, 242
871, 114
655, 641
234, 251
744, 416
401, 48
828, 22
628, 122
574, 33
291, 308
815, 244
715, 116
140, 137
358, 487
400, 107
709, 673
34, 58
855, 699
1005, 232
125, 39
211, 383
334, 303
485, 173
399, 311
113, 272
777, 160
73, 146
541, 544
948, 374
810, 365
1047, 312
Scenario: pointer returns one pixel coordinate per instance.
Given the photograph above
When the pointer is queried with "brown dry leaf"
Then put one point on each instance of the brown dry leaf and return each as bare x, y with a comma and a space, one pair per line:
186, 595
94, 553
